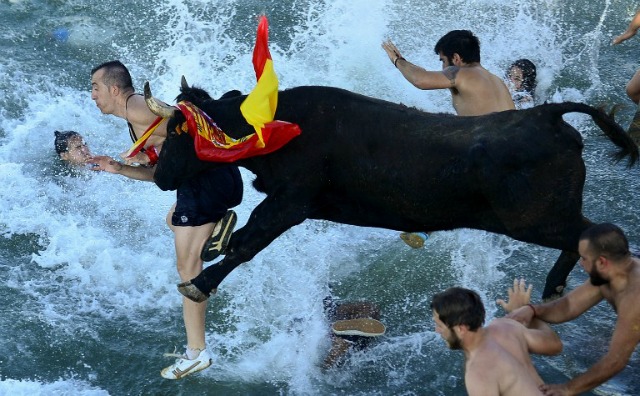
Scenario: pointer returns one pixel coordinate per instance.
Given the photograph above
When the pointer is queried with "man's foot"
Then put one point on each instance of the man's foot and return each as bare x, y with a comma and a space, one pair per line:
190, 291
414, 239
183, 366
364, 327
219, 239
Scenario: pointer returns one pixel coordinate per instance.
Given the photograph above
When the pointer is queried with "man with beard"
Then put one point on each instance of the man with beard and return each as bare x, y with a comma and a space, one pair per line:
497, 360
614, 275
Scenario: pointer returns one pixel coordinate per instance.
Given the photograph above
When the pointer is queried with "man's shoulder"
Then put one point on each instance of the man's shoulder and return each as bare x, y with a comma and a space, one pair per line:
505, 323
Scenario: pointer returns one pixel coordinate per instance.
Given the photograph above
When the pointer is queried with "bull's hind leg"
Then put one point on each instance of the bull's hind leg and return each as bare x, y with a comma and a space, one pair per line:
269, 220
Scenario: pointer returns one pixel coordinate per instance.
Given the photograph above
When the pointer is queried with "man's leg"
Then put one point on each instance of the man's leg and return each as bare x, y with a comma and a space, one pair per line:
189, 242
188, 245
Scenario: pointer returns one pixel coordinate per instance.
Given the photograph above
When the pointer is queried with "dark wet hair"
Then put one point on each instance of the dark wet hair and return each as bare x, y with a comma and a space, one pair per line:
61, 141
529, 74
115, 73
607, 240
459, 306
461, 42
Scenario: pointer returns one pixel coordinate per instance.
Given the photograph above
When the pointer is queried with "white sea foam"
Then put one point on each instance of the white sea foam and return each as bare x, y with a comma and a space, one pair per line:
105, 250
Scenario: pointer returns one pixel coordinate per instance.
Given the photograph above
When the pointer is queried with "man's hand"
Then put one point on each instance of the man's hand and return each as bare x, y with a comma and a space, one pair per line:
555, 390
519, 296
105, 163
140, 158
631, 31
392, 51
624, 36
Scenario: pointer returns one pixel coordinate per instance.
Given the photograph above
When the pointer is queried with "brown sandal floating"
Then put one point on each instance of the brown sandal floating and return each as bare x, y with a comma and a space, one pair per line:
364, 327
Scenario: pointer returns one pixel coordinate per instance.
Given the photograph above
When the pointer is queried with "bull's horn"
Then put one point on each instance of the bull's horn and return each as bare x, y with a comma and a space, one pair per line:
157, 108
183, 83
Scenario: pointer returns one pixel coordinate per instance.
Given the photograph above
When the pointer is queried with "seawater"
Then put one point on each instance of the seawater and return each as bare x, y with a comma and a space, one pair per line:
88, 298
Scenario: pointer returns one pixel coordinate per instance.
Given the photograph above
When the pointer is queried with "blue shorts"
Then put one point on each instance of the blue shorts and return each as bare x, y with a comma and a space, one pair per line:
207, 197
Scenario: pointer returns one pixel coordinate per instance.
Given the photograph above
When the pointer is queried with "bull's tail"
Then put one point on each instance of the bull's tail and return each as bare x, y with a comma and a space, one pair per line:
606, 122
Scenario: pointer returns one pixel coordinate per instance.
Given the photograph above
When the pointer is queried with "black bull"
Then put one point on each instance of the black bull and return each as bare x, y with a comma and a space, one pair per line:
372, 163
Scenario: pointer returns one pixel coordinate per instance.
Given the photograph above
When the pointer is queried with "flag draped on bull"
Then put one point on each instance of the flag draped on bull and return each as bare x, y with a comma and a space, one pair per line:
259, 108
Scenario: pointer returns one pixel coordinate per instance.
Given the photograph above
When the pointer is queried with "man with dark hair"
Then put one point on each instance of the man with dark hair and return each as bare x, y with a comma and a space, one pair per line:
200, 219
497, 360
474, 90
614, 276
71, 148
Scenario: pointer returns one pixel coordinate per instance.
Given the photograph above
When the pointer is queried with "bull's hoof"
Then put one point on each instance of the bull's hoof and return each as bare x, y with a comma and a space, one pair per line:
558, 292
191, 292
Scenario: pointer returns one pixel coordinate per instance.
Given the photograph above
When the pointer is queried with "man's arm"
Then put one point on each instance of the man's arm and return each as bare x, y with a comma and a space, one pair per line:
108, 164
418, 76
539, 336
631, 31
542, 339
563, 309
626, 337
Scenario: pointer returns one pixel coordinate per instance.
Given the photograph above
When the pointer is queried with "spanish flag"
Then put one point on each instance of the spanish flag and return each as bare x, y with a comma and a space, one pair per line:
259, 108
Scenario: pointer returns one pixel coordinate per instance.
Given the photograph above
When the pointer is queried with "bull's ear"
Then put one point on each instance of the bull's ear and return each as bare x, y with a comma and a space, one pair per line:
183, 83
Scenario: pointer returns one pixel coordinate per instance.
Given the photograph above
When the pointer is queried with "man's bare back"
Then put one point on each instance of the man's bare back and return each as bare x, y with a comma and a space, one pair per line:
478, 92
497, 360
501, 362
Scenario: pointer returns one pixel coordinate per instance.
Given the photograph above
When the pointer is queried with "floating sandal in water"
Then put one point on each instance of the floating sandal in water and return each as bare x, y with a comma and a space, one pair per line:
217, 243
414, 239
364, 327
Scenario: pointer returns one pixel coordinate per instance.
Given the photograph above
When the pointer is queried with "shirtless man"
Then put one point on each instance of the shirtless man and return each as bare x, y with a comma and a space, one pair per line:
633, 86
474, 90
200, 213
497, 360
614, 276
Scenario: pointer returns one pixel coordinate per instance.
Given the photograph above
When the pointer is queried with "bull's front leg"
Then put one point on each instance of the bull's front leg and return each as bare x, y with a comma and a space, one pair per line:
557, 277
269, 220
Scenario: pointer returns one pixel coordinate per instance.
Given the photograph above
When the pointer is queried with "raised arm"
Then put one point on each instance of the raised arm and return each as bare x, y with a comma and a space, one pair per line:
416, 75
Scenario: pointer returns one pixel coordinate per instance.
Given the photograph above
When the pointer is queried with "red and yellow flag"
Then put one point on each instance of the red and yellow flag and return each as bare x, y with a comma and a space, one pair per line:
259, 109
260, 106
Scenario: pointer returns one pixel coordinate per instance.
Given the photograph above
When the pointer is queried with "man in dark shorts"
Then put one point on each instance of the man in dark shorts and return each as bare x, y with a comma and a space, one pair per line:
200, 219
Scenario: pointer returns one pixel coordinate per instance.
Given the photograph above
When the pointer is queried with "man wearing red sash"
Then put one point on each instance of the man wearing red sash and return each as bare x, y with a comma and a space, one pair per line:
200, 219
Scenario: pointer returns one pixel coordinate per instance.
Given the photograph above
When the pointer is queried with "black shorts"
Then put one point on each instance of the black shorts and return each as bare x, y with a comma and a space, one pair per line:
207, 197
